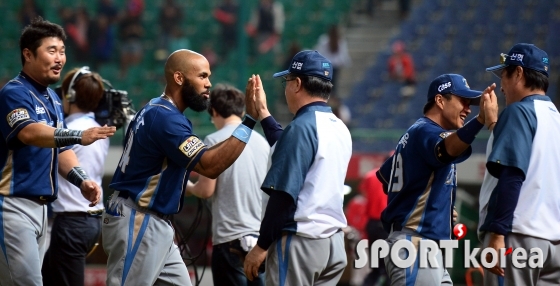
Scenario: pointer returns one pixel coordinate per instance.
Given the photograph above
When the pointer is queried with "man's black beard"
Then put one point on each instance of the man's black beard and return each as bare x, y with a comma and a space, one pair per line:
195, 101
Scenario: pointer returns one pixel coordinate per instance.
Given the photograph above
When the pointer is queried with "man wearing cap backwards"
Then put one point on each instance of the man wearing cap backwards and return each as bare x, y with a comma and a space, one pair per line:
421, 179
301, 228
520, 202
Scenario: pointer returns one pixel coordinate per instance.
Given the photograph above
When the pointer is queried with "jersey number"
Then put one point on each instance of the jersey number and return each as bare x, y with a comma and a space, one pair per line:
397, 177
126, 154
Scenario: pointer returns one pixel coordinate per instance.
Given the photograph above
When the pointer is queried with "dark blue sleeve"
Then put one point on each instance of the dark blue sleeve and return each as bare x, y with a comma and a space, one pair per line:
503, 201
513, 139
173, 134
279, 210
272, 130
17, 110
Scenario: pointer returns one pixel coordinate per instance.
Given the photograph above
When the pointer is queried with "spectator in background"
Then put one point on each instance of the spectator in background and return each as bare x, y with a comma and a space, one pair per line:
77, 226
209, 53
340, 109
29, 10
226, 14
108, 9
131, 32
376, 201
334, 47
170, 16
102, 40
236, 194
77, 29
401, 68
404, 8
267, 24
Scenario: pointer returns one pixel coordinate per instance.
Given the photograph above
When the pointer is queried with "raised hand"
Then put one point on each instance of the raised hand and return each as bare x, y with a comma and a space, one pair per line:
489, 106
260, 99
95, 133
250, 98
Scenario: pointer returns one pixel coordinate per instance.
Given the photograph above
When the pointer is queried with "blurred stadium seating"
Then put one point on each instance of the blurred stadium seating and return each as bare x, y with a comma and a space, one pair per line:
305, 21
448, 36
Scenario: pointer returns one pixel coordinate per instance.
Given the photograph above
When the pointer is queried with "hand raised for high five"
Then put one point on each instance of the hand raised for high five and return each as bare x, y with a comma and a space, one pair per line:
260, 99
489, 106
250, 98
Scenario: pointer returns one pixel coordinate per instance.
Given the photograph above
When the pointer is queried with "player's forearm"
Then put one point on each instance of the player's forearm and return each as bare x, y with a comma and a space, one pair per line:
272, 129
204, 188
66, 161
39, 135
280, 208
220, 156
458, 142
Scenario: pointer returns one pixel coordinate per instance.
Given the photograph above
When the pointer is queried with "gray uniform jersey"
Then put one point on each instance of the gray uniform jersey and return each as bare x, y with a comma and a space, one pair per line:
237, 201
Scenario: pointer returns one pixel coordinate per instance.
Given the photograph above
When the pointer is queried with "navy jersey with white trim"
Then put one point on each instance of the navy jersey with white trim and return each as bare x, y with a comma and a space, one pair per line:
160, 152
28, 171
525, 140
421, 189
309, 163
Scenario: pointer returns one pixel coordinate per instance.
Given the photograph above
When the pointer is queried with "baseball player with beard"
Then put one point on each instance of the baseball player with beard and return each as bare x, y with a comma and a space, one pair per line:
421, 178
150, 180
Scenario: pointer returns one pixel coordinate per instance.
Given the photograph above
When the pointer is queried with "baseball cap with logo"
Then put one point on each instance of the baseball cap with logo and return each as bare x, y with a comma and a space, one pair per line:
525, 55
455, 84
310, 63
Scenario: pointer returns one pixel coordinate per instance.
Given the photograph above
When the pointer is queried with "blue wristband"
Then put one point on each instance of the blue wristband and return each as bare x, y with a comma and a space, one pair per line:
468, 132
242, 133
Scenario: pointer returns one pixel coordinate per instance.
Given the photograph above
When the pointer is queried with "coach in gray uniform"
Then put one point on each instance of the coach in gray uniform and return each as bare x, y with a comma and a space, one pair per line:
301, 228
235, 195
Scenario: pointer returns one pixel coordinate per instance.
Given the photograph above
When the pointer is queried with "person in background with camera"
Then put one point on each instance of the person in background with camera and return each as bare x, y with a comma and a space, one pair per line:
34, 147
77, 226
235, 195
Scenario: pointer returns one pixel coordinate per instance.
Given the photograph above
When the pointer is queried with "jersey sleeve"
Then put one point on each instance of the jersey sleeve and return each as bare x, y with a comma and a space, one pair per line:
174, 136
513, 139
429, 139
291, 160
17, 111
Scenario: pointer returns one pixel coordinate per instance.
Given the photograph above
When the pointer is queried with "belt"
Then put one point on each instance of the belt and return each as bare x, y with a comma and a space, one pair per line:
40, 200
124, 195
93, 213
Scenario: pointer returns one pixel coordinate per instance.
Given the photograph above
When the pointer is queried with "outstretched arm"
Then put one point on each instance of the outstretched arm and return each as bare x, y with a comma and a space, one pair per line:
40, 135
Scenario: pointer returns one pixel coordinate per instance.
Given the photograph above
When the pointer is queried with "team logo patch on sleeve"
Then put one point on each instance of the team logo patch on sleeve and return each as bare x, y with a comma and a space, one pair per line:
445, 134
17, 115
191, 146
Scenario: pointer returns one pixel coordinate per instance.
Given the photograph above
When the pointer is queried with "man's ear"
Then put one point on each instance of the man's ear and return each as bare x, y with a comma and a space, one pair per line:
27, 54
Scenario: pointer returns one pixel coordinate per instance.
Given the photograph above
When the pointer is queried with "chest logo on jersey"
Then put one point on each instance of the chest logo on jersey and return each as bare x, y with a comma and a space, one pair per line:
39, 109
17, 115
191, 146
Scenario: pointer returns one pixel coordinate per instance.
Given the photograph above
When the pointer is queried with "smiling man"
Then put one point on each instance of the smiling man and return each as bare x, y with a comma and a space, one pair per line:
35, 145
421, 178
152, 175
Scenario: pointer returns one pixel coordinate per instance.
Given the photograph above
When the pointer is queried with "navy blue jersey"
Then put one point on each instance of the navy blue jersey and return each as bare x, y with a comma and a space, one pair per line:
28, 171
421, 189
161, 151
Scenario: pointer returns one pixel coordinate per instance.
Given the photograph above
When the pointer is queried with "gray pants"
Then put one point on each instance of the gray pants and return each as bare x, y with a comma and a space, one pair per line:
414, 275
23, 229
140, 247
298, 261
547, 276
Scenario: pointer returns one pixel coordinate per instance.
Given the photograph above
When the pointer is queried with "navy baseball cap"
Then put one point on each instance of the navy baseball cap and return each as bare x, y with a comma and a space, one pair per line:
455, 84
310, 63
525, 55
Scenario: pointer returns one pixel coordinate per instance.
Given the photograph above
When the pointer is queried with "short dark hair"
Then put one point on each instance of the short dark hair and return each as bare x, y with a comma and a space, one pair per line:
226, 100
534, 80
89, 89
34, 33
432, 102
315, 86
